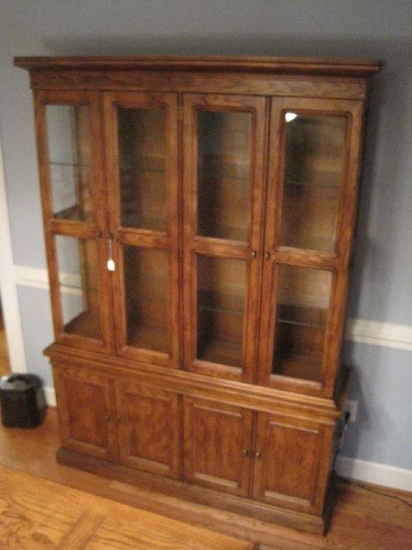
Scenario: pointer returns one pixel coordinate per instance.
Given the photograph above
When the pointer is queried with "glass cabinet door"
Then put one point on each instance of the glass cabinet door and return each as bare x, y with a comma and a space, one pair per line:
143, 194
223, 180
75, 215
313, 160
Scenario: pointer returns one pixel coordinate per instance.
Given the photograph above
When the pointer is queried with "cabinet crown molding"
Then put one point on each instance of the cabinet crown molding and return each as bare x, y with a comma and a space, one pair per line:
256, 64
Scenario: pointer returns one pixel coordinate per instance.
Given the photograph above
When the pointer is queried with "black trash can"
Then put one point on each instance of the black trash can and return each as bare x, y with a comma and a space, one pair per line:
23, 403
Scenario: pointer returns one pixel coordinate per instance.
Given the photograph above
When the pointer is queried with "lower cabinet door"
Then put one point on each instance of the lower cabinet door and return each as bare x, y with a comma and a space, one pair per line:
292, 458
86, 411
217, 445
149, 428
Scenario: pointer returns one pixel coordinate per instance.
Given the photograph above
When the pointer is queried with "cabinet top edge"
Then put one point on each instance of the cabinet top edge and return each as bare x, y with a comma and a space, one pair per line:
253, 64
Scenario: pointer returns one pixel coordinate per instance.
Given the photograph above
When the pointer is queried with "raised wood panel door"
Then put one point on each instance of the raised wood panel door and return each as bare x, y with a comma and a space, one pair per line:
87, 412
68, 126
143, 190
292, 458
224, 156
313, 169
217, 445
149, 428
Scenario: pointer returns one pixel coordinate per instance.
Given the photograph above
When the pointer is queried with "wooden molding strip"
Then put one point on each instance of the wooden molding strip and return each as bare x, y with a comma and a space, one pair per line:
387, 335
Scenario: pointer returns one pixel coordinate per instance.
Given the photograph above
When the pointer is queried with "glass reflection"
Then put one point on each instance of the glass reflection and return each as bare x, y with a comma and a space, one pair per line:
313, 177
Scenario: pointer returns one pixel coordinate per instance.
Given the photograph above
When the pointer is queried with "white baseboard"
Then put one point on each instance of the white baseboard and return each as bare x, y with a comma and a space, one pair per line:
379, 334
50, 395
357, 330
375, 473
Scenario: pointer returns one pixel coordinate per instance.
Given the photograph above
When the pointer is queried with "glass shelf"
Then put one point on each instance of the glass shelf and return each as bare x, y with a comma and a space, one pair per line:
299, 323
312, 185
300, 366
70, 164
133, 220
148, 338
235, 313
223, 352
73, 213
86, 324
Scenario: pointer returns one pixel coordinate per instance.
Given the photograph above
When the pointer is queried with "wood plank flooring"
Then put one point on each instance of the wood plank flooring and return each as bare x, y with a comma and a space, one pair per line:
365, 518
38, 513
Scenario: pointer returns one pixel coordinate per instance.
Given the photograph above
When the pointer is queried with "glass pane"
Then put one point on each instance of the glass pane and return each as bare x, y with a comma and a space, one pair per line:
79, 286
221, 309
301, 315
224, 174
142, 164
146, 278
314, 165
70, 153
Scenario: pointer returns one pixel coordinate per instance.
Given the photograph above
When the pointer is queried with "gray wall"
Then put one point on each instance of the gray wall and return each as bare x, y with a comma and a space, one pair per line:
382, 289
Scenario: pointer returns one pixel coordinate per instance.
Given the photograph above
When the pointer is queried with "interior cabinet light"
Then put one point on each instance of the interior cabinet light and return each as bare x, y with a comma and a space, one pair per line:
290, 116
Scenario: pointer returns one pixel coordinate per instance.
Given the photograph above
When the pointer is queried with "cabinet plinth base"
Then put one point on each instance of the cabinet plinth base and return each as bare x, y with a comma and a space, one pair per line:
225, 513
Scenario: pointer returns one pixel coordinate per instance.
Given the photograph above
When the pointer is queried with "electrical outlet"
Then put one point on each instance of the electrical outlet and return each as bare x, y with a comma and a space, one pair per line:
351, 407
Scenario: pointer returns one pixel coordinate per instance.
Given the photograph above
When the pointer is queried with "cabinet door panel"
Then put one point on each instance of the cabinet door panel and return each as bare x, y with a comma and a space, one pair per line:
224, 151
149, 428
217, 439
75, 215
87, 412
143, 185
292, 460
313, 173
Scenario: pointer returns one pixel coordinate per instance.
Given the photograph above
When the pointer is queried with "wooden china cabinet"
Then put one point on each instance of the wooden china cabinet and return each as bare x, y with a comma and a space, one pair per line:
199, 217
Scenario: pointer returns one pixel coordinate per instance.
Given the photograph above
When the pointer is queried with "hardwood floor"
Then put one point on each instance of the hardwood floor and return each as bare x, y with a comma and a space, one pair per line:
88, 506
38, 513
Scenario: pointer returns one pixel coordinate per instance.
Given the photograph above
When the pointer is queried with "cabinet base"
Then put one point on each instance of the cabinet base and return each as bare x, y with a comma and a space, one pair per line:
228, 514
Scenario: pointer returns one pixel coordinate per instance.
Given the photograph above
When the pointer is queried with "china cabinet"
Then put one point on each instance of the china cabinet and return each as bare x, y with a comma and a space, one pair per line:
199, 216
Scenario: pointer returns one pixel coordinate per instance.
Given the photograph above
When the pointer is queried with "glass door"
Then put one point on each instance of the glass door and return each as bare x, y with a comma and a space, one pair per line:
313, 171
223, 186
75, 215
143, 188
